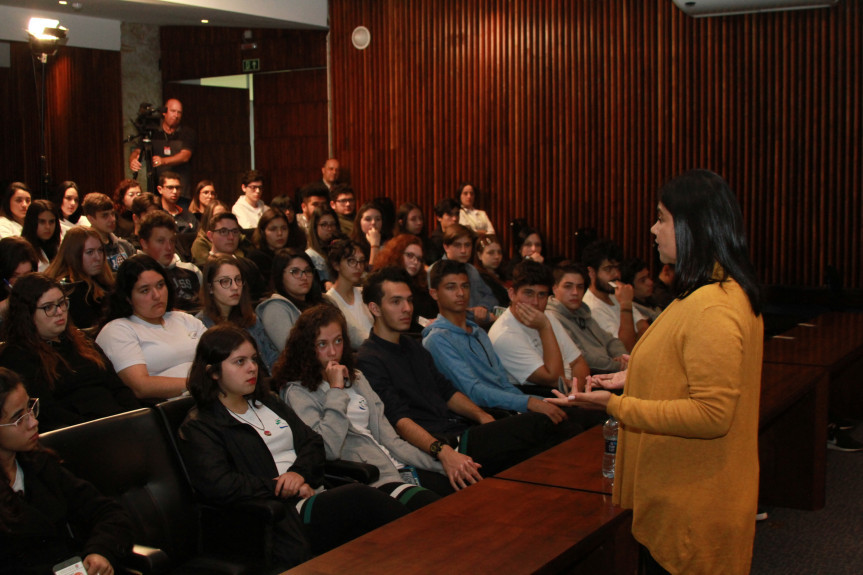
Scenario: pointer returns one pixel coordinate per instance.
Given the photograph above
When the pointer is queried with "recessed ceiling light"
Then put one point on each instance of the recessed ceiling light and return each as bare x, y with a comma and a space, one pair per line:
205, 21
63, 2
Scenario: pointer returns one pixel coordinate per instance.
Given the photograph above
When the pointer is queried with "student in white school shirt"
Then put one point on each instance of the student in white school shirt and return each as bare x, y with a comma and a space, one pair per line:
611, 305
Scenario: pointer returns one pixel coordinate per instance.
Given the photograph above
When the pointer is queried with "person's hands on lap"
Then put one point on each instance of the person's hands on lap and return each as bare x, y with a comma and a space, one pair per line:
306, 491
461, 469
97, 565
554, 413
288, 484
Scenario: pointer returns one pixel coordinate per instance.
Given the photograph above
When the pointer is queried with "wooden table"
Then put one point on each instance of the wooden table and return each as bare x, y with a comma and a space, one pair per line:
792, 440
495, 526
574, 464
833, 341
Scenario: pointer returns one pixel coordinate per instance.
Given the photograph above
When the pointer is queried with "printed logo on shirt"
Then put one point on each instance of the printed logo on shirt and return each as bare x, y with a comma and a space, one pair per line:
281, 424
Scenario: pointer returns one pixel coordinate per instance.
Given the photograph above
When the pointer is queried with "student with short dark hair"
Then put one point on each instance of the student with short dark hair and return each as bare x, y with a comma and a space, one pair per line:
99, 210
446, 213
603, 352
424, 406
158, 237
534, 348
249, 207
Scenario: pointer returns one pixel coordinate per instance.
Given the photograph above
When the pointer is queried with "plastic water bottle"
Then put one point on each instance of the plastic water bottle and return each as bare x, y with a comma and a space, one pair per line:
609, 432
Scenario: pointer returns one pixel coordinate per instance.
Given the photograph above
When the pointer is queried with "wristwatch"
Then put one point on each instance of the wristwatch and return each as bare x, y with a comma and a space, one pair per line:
434, 448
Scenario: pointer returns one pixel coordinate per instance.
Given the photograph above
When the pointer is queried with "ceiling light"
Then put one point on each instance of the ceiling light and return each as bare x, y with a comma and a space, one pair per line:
205, 21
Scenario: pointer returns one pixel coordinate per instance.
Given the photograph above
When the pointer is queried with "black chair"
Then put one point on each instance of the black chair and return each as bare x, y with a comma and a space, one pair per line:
131, 458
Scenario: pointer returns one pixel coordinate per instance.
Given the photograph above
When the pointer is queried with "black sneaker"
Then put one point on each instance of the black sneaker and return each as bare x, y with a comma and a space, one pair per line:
840, 440
845, 424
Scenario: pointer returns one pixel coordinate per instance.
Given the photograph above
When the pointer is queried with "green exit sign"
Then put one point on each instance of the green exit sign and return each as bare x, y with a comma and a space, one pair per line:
252, 65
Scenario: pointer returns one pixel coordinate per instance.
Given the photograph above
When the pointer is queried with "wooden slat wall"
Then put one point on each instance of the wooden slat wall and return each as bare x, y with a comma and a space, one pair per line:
83, 118
290, 103
572, 113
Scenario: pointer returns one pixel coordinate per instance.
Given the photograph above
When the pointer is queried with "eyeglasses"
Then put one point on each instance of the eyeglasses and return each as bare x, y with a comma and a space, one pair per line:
226, 282
171, 187
255, 187
224, 232
353, 262
51, 309
297, 273
346, 201
32, 412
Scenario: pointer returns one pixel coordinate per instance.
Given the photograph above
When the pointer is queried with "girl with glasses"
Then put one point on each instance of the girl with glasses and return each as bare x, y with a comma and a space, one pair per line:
323, 231
225, 299
406, 251
242, 442
57, 363
202, 245
81, 265
40, 499
348, 265
296, 288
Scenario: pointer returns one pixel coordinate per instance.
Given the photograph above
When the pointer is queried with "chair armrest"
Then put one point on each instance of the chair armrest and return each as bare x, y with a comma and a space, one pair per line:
340, 471
148, 560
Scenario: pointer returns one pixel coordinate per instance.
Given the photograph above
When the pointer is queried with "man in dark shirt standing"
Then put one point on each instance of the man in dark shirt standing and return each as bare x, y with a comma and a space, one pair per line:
422, 404
173, 146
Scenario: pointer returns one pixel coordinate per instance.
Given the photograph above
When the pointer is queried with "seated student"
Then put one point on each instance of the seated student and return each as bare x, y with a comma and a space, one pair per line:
240, 442
343, 203
150, 347
476, 220
72, 377
464, 354
406, 251
602, 351
533, 347
158, 237
69, 202
663, 287
99, 210
323, 231
225, 298
16, 200
348, 264
80, 265
295, 289
446, 213
296, 235
272, 234
205, 192
488, 261
169, 190
317, 378
43, 502
611, 307
312, 196
142, 205
368, 231
42, 230
125, 192
224, 235
249, 207
424, 407
636, 273
17, 257
458, 245
202, 245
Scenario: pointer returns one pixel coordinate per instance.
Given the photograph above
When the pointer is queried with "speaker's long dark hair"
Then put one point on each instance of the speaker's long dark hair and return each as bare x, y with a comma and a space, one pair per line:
708, 229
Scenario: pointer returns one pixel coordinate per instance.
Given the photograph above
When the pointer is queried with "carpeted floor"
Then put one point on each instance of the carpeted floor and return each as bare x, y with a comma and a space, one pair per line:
825, 542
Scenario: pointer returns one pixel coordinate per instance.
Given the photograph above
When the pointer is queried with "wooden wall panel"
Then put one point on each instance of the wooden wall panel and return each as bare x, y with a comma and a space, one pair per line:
572, 114
290, 102
83, 118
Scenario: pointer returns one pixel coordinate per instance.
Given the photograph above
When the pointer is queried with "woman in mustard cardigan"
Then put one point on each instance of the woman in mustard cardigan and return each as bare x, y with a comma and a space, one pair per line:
687, 459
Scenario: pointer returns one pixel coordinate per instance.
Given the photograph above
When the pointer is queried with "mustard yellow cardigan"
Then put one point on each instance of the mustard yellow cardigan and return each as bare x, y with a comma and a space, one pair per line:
687, 460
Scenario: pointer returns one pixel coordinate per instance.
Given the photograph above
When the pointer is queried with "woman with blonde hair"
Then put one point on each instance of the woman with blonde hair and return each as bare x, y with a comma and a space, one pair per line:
81, 265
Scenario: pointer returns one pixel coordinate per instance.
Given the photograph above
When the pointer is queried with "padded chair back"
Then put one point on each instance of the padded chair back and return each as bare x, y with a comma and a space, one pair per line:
131, 458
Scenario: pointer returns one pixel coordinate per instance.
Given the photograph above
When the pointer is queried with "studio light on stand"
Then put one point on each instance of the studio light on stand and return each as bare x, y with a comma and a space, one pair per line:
45, 36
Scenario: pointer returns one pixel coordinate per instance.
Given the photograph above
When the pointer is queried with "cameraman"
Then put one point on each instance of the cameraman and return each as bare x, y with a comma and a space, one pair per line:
173, 146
